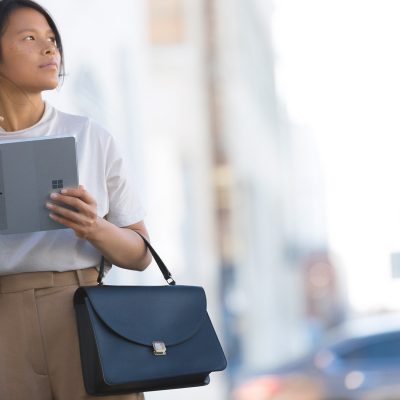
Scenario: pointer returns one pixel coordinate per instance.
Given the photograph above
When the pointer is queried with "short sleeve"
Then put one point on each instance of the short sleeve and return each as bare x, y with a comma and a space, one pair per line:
125, 206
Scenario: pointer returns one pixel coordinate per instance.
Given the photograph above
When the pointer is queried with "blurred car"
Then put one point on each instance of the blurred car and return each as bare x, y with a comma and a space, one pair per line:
361, 361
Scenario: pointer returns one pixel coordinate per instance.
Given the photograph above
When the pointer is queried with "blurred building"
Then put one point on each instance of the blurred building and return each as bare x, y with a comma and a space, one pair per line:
234, 204
279, 285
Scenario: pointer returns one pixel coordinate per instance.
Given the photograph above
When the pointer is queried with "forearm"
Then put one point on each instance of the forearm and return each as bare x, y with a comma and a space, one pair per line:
122, 247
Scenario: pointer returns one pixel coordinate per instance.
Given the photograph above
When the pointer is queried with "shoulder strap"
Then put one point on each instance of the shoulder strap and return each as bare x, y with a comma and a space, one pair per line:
164, 270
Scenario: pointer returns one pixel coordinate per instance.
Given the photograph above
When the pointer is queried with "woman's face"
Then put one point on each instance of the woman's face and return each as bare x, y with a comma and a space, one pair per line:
30, 58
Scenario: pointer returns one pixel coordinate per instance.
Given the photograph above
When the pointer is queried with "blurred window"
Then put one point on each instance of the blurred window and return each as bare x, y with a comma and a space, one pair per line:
166, 22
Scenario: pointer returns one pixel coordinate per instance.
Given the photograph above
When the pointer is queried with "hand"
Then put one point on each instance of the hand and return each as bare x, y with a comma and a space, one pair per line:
83, 218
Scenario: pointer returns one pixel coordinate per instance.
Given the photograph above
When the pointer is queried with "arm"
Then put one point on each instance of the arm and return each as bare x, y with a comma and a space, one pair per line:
120, 246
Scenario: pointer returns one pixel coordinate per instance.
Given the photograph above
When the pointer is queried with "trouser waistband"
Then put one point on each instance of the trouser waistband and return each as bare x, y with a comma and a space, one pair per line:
46, 279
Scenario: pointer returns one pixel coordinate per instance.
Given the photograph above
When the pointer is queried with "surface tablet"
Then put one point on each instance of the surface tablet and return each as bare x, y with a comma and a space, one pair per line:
30, 169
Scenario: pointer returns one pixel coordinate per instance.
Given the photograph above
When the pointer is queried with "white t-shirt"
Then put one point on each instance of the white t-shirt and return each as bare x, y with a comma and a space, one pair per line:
101, 172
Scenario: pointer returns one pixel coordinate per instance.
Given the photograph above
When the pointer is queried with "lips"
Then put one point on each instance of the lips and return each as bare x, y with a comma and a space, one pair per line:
50, 64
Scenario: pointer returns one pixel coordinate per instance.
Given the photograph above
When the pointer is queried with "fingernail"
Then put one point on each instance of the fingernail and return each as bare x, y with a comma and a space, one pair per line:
64, 191
54, 195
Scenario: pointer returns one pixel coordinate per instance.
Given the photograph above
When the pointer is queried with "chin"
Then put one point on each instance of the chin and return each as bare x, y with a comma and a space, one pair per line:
42, 86
50, 86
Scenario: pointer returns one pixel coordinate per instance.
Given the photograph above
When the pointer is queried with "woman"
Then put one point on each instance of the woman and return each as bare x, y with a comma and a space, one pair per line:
40, 271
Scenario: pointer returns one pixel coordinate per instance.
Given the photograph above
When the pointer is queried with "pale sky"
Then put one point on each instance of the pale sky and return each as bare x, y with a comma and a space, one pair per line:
338, 72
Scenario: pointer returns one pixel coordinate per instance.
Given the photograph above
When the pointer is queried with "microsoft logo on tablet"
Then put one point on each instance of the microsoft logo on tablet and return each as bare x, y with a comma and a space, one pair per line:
57, 183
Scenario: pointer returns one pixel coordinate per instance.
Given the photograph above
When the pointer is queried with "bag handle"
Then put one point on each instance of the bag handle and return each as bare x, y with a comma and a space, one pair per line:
164, 270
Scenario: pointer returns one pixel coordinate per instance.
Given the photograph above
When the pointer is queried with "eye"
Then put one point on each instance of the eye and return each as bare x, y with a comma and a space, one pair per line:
53, 40
29, 38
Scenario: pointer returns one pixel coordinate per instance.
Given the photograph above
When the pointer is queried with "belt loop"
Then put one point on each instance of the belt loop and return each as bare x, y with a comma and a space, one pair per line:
80, 277
86, 276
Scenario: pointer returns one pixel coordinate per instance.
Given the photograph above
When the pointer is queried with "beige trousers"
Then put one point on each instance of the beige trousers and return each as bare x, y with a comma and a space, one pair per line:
39, 349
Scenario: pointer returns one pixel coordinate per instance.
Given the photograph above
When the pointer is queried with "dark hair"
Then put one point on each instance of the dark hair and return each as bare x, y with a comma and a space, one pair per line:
8, 6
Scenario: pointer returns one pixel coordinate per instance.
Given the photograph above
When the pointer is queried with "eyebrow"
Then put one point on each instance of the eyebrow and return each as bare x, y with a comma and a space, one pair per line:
33, 30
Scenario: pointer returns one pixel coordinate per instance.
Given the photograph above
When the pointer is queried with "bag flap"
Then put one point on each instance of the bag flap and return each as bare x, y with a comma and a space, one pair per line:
143, 314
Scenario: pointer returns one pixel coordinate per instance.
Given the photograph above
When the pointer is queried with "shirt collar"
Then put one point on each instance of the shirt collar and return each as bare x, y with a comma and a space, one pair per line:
46, 115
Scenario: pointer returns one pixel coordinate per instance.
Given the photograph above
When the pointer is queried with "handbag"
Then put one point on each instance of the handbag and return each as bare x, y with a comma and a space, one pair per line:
145, 338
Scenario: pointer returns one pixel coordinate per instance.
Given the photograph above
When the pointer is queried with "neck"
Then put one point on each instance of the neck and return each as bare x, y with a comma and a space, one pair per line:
19, 110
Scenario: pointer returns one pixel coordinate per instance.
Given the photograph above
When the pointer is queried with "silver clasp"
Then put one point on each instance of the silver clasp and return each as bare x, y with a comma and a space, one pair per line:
159, 348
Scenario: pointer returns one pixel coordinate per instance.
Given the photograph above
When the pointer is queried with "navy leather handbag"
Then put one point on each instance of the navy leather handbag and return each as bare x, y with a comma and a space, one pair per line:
145, 338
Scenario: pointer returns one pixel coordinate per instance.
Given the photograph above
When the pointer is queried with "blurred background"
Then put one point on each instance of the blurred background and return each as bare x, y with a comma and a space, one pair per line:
263, 137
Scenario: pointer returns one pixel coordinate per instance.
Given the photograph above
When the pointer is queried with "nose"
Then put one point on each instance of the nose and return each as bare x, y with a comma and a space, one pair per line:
50, 49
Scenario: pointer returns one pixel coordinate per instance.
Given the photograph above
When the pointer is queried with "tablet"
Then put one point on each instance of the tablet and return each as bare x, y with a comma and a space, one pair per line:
30, 169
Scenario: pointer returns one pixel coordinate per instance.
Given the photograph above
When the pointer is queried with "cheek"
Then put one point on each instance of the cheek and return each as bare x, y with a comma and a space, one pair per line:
58, 55
19, 52
16, 59
15, 73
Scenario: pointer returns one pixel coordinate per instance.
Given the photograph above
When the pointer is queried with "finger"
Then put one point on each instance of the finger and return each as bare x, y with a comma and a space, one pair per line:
82, 228
84, 204
66, 222
61, 220
79, 192
84, 215
64, 212
74, 202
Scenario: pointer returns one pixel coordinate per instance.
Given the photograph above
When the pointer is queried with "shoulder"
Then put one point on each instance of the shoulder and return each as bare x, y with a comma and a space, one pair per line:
82, 127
